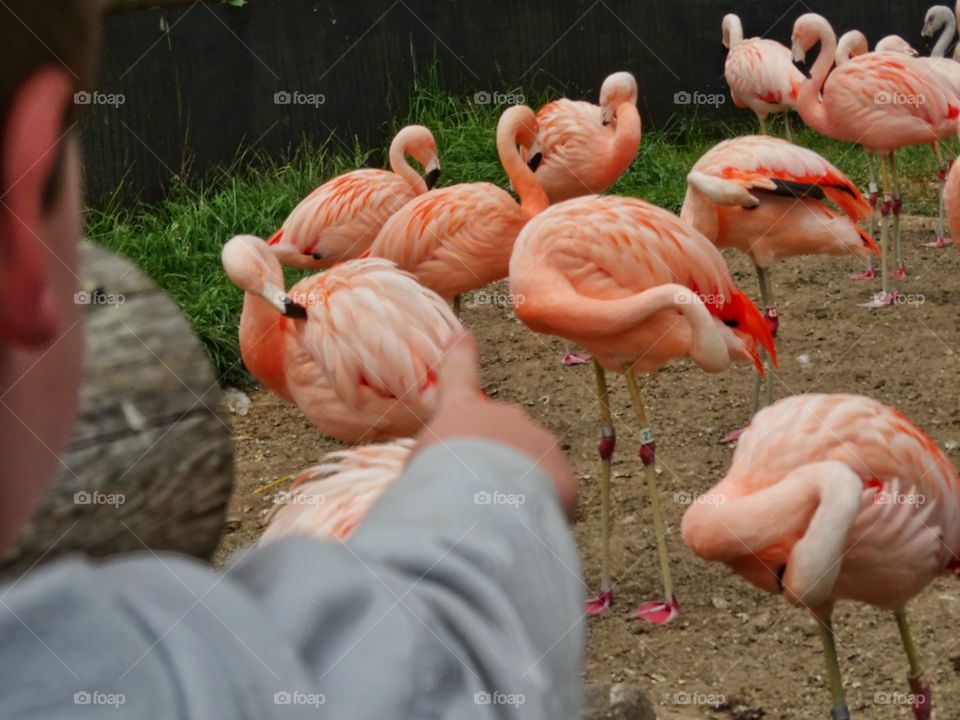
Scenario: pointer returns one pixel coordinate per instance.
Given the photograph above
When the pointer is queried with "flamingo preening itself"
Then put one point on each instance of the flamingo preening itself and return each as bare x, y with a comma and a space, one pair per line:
829, 498
768, 198
882, 101
354, 347
760, 73
586, 148
340, 219
636, 287
460, 237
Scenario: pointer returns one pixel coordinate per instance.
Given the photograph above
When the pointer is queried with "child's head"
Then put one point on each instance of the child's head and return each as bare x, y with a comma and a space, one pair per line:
47, 52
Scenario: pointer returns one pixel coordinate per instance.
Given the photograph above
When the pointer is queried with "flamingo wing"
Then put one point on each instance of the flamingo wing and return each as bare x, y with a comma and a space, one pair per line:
329, 500
884, 100
454, 239
374, 329
611, 247
340, 219
762, 76
775, 165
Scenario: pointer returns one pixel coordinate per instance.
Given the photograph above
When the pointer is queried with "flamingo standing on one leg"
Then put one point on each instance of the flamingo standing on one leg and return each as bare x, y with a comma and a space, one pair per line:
882, 101
636, 287
760, 73
766, 197
460, 237
835, 497
942, 19
354, 347
329, 500
586, 148
340, 219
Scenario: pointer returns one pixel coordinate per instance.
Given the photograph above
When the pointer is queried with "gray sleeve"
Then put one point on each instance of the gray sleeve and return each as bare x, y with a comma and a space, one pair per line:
458, 597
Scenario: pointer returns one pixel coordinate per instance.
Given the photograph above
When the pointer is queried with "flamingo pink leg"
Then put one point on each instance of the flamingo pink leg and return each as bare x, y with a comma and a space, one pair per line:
884, 298
839, 710
921, 692
896, 207
870, 274
601, 603
657, 612
943, 240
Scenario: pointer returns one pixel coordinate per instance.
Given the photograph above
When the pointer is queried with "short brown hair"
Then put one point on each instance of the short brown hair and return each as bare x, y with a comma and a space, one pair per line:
39, 33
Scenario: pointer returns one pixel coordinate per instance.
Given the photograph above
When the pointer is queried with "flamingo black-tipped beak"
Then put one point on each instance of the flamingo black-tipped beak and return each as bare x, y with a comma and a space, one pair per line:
534, 162
318, 256
431, 178
294, 310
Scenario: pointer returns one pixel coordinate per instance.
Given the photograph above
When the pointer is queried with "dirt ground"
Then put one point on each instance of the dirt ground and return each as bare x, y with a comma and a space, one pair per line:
734, 652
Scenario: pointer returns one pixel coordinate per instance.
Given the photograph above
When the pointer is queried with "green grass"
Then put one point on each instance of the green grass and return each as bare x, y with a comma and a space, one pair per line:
177, 242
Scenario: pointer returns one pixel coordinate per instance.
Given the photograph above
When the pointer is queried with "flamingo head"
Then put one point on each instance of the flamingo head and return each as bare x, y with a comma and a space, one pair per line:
895, 43
519, 122
618, 88
934, 21
851, 44
418, 142
252, 267
807, 32
732, 28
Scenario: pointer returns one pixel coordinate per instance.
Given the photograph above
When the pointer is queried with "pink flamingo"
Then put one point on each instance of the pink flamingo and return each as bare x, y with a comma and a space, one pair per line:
882, 101
834, 497
585, 147
767, 198
636, 287
459, 238
951, 198
942, 19
329, 500
760, 73
354, 347
340, 219
956, 49
853, 44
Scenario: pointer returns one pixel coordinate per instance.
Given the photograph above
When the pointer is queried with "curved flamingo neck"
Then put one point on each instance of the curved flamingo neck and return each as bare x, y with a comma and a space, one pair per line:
400, 166
261, 343
809, 102
734, 31
533, 198
626, 141
587, 315
946, 35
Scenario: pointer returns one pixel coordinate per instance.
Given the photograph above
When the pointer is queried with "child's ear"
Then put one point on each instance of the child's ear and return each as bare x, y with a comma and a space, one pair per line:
32, 145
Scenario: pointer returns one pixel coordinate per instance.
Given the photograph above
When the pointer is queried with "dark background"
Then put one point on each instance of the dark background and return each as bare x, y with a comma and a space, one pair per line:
199, 80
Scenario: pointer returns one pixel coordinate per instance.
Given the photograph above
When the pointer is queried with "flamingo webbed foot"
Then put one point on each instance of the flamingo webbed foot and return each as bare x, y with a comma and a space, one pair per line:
922, 698
880, 300
657, 612
599, 604
577, 358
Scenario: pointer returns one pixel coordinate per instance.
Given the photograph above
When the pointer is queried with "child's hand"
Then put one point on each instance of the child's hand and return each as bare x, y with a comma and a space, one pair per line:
464, 412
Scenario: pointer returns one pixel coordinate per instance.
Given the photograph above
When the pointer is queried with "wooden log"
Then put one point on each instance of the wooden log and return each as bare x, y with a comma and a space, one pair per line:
150, 465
